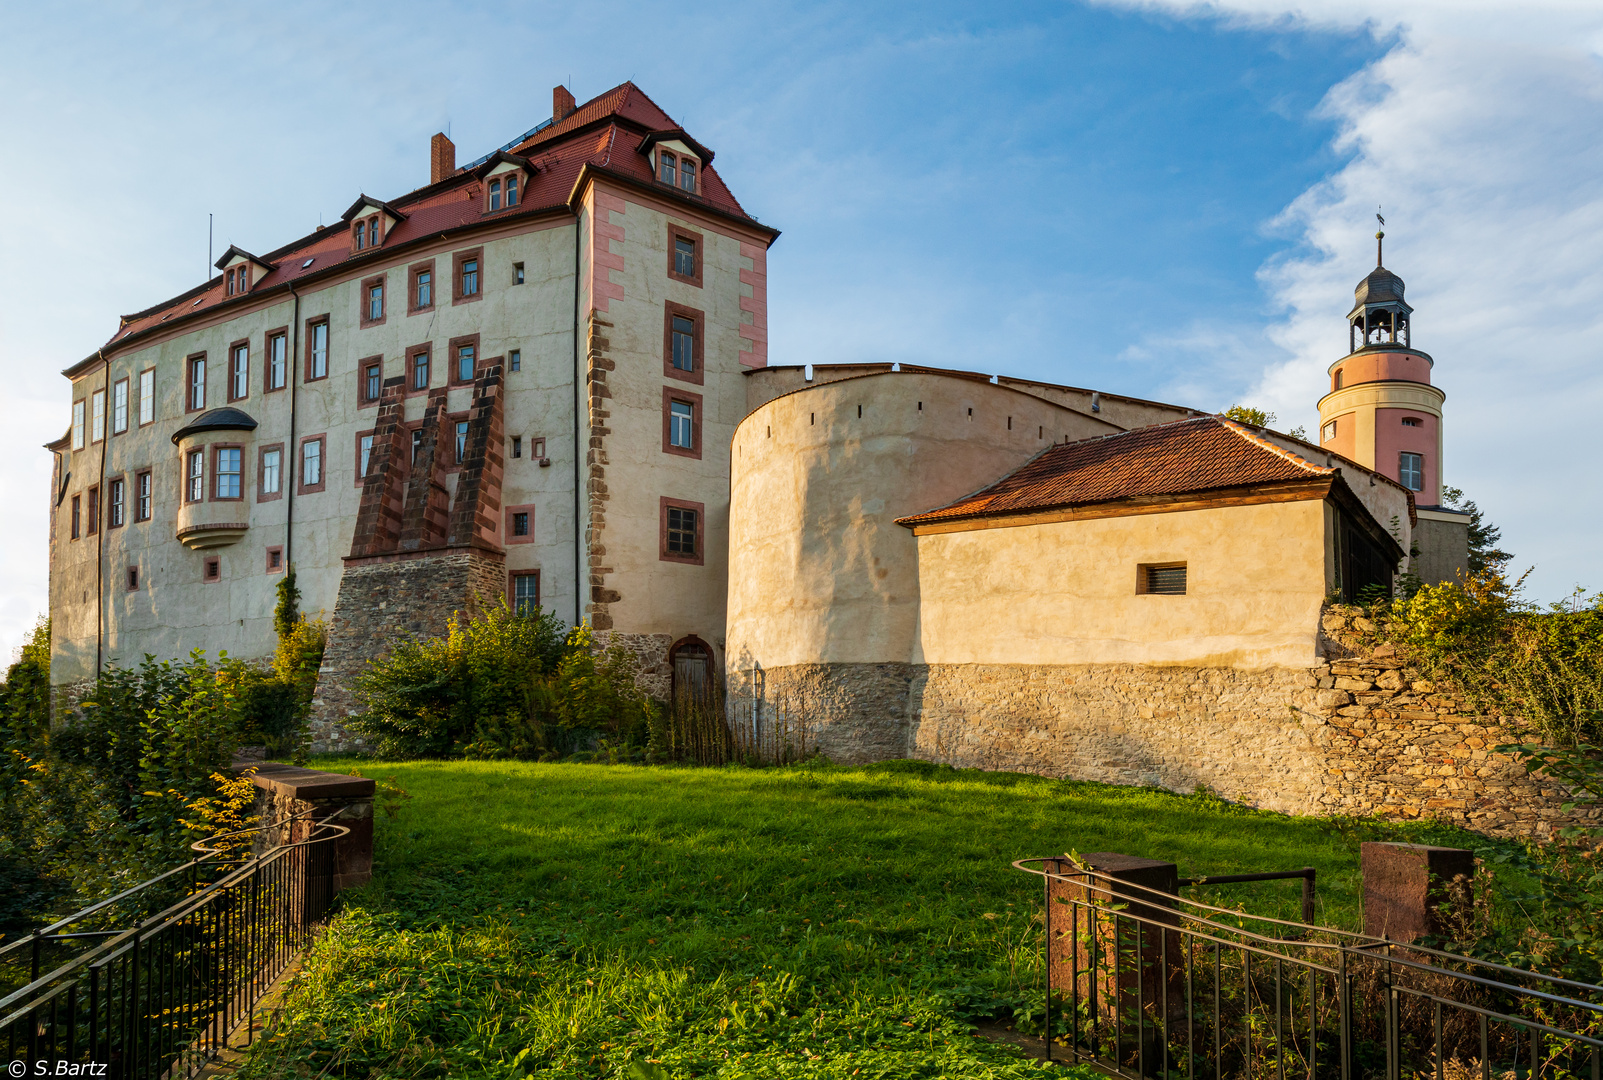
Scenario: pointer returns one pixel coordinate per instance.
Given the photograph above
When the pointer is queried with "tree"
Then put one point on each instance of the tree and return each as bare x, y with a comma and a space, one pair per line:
1246, 414
1484, 554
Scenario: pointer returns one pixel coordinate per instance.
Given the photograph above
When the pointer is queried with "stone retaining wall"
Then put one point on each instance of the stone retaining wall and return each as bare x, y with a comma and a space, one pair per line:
289, 800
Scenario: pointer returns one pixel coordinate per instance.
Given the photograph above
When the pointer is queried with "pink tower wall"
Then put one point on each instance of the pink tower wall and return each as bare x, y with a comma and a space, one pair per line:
1392, 439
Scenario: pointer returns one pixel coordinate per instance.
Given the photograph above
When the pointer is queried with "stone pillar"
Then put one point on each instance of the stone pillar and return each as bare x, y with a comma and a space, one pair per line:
283, 792
1095, 951
1406, 886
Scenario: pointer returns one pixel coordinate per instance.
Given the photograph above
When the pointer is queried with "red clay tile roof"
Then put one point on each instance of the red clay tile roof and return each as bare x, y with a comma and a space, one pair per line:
1204, 453
457, 201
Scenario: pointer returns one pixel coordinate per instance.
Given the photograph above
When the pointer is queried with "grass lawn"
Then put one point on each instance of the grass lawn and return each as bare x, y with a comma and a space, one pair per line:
564, 920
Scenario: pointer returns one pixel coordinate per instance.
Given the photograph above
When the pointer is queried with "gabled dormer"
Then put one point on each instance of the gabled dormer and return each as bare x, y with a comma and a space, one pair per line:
370, 222
241, 270
676, 159
505, 180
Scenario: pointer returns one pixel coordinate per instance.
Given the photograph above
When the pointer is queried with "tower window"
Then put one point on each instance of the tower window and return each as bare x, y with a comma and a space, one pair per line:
1413, 421
1411, 471
1337, 385
1329, 431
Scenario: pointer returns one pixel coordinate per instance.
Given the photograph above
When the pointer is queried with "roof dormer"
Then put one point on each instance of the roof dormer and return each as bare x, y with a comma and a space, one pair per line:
505, 178
676, 159
241, 270
371, 222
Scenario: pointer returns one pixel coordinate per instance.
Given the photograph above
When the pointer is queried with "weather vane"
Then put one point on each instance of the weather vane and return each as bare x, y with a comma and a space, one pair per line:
1380, 235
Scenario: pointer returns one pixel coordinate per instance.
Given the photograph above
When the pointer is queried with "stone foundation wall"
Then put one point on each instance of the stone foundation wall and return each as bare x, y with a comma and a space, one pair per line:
381, 601
649, 654
1362, 733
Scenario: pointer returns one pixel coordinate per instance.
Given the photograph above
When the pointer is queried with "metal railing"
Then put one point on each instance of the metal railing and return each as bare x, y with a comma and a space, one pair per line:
1144, 983
157, 995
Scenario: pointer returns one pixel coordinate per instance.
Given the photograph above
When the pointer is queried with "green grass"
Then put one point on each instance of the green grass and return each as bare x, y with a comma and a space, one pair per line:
587, 920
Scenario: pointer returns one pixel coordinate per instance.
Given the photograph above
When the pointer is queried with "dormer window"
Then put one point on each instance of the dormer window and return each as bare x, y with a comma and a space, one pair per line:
365, 234
677, 170
667, 169
495, 194
501, 192
687, 174
238, 279
512, 189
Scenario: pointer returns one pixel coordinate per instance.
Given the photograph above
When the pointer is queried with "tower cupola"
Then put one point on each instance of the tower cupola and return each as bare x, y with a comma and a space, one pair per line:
1380, 315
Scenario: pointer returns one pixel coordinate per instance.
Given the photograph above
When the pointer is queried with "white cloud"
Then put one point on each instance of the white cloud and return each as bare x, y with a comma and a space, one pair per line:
1481, 133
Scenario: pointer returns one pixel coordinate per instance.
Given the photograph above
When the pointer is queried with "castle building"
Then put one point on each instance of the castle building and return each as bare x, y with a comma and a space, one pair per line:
544, 376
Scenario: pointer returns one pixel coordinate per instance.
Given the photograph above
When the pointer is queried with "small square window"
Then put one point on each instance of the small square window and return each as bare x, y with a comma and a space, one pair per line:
133, 578
212, 569
515, 359
1413, 421
1161, 579
1329, 431
520, 523
275, 559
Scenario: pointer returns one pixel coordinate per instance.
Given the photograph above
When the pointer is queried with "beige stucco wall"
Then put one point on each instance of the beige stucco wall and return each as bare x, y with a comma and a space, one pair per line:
173, 611
1065, 592
819, 569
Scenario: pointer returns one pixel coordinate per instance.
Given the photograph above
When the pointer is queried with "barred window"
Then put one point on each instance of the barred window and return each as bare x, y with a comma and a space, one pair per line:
1163, 580
681, 531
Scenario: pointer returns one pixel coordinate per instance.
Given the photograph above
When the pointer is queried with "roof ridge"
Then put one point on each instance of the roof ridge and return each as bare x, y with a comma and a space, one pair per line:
1258, 440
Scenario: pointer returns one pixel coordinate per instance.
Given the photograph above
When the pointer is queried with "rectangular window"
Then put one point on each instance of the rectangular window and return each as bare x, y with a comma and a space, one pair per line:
147, 396
1161, 579
371, 382
97, 416
1329, 431
520, 523
119, 406
465, 363
277, 360
681, 421
275, 559
470, 277
229, 471
515, 359
142, 489
1413, 421
312, 463
118, 490
94, 510
133, 578
1411, 471
417, 443
365, 452
517, 273
422, 289
239, 373
196, 474
666, 172
197, 383
461, 440
526, 593
212, 569
317, 351
517, 446
375, 303
684, 256
687, 175
77, 424
512, 191
271, 471
682, 531
77, 515
420, 370
495, 194
684, 343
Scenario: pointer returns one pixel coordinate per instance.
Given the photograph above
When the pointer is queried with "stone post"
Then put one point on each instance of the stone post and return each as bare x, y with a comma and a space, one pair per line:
1111, 945
1405, 887
285, 791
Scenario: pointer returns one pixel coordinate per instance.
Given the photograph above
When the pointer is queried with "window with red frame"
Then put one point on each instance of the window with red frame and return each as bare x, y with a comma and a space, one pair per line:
239, 372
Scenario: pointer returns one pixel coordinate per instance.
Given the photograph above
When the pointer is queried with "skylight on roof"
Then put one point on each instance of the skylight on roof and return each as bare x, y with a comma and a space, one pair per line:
197, 302
308, 262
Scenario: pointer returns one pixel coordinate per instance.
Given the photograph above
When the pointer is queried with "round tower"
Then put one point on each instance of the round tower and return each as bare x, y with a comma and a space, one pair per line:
1382, 410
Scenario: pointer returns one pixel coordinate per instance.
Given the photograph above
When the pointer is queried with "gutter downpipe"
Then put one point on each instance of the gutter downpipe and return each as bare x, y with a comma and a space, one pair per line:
100, 531
290, 472
578, 432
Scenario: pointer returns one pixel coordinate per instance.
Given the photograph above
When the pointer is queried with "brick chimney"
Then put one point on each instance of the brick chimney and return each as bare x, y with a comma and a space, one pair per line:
561, 103
442, 158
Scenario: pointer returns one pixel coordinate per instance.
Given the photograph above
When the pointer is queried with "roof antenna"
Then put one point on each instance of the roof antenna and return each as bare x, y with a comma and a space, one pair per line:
1380, 236
208, 247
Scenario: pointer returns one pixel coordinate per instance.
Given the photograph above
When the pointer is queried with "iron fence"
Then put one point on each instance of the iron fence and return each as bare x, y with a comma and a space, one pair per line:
1144, 983
146, 995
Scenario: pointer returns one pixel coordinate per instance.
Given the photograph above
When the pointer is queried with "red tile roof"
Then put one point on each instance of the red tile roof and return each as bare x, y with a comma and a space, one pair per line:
1204, 453
558, 152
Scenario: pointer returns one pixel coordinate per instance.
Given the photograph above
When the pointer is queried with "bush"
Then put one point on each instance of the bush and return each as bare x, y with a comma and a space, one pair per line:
500, 684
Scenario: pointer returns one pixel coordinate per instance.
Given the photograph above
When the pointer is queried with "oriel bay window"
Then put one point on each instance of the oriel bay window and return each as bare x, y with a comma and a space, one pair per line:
229, 471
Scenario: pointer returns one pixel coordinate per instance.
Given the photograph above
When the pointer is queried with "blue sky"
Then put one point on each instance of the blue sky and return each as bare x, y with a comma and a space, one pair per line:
1163, 199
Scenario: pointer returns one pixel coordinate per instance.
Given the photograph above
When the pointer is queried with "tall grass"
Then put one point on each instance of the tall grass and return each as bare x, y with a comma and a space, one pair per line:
703, 726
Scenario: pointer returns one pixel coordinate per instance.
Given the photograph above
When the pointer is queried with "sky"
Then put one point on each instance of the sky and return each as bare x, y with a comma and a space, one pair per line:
1164, 199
